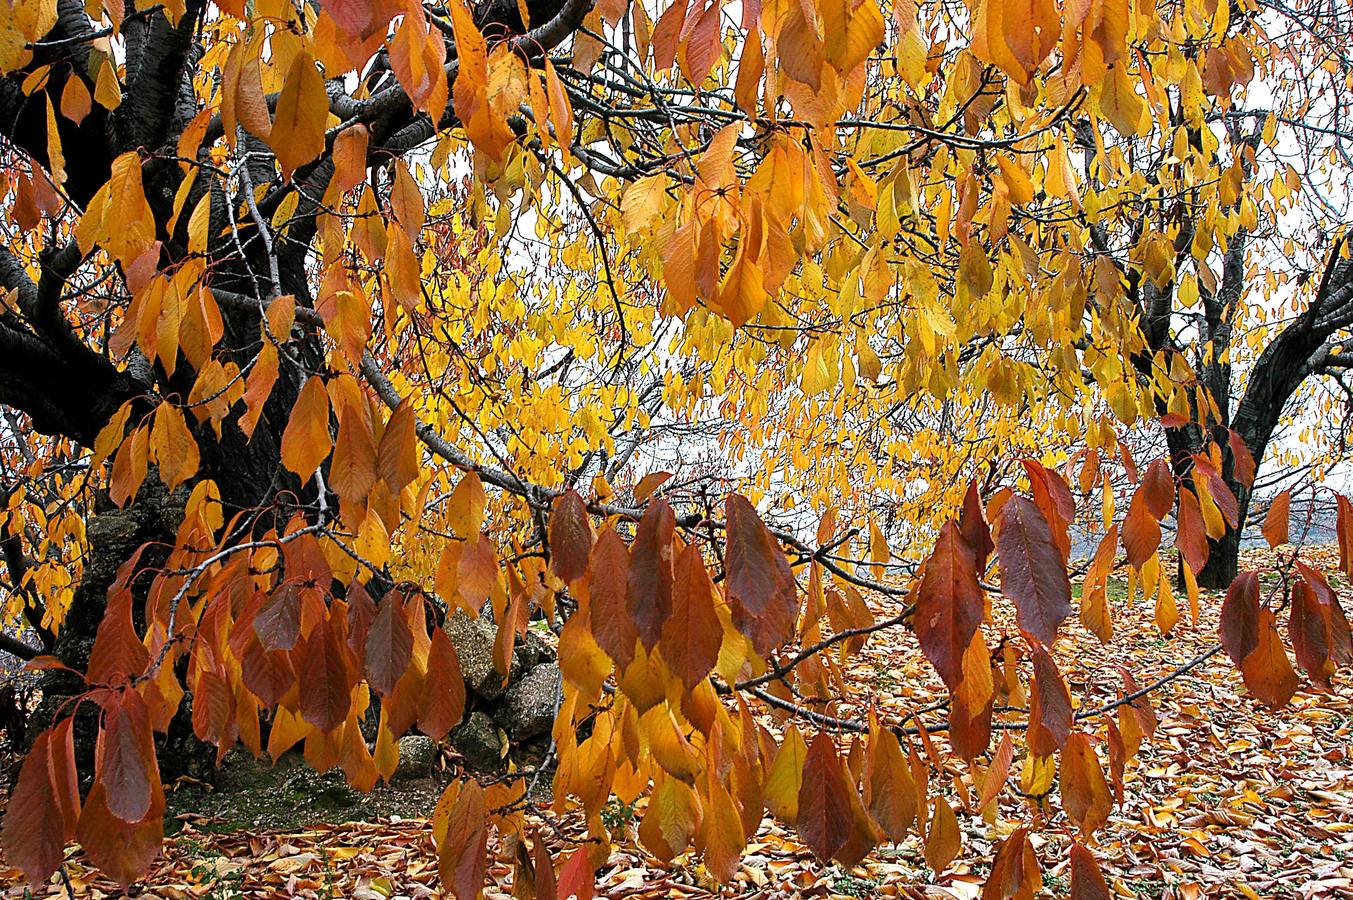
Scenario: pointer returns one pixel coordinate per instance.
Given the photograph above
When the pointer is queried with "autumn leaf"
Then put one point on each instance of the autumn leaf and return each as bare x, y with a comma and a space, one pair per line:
1032, 573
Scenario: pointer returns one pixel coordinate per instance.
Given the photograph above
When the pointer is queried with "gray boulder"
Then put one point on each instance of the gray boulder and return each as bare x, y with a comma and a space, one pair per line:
473, 641
480, 741
528, 707
417, 754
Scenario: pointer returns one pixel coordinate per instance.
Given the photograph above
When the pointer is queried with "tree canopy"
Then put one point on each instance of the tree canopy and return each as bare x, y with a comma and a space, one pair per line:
686, 327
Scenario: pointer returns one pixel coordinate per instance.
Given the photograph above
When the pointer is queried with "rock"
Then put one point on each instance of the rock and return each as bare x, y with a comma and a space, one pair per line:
417, 754
473, 641
528, 707
480, 741
530, 651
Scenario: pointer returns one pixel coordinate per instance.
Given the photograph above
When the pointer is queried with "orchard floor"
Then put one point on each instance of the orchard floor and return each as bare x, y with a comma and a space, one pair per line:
1228, 800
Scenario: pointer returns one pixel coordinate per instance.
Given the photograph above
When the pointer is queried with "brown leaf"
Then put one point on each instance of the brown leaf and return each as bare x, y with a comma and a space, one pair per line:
1050, 710
326, 677
612, 626
949, 605
1033, 575
1087, 882
649, 589
759, 582
389, 645
691, 636
570, 536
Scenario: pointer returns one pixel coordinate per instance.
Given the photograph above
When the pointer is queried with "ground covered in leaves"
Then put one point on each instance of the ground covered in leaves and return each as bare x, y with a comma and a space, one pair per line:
1228, 800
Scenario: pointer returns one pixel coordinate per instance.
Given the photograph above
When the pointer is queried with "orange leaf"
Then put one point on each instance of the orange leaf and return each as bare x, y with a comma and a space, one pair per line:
297, 134
42, 809
306, 441
1085, 793
691, 636
443, 702
1276, 520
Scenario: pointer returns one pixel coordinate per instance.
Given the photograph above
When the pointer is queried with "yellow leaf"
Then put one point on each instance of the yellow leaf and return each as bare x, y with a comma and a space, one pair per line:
297, 134
172, 446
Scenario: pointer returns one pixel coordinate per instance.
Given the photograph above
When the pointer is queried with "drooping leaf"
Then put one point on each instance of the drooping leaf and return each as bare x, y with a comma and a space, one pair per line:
1032, 573
649, 588
949, 604
1085, 793
1277, 518
389, 645
692, 635
759, 582
612, 624
570, 536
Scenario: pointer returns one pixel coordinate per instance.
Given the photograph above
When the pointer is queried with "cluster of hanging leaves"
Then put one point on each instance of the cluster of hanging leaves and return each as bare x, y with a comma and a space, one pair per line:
772, 211
658, 660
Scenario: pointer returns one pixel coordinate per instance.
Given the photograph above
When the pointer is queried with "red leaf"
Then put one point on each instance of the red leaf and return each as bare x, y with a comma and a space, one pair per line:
1239, 626
278, 623
1190, 535
389, 645
972, 523
1087, 882
612, 627
1157, 489
1310, 633
1341, 642
1033, 574
969, 729
268, 673
443, 702
760, 583
126, 757
692, 635
1250, 638
1014, 871
40, 814
649, 590
118, 654
570, 536
1242, 459
1050, 710
832, 821
326, 677
949, 605
576, 878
